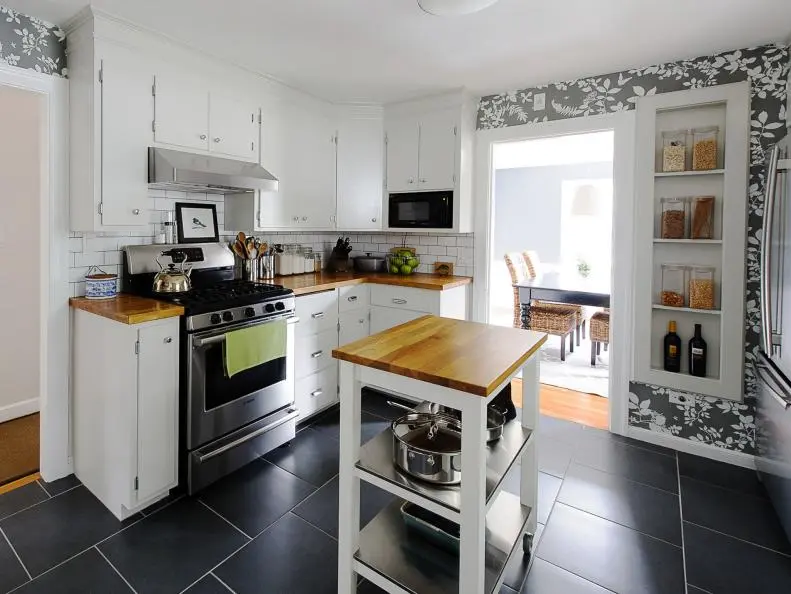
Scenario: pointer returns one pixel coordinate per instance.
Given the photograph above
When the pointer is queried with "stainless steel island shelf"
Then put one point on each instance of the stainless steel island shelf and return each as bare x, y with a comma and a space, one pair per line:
390, 556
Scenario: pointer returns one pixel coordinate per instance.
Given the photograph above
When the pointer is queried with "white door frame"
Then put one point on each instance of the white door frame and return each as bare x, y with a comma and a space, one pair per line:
53, 233
623, 125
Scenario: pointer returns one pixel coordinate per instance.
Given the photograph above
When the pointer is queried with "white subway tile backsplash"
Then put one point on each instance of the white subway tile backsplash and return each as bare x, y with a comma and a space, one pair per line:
446, 240
429, 240
89, 259
438, 250
101, 244
75, 244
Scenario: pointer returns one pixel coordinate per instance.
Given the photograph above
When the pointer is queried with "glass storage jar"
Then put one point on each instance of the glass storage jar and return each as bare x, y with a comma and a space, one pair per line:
317, 261
307, 260
673, 285
704, 148
674, 151
674, 218
702, 224
701, 287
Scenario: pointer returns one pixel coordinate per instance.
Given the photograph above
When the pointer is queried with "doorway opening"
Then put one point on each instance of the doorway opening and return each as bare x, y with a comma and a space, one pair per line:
552, 224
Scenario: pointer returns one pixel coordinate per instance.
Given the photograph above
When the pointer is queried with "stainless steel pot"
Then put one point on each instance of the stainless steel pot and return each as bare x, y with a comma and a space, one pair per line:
369, 263
495, 419
171, 279
428, 447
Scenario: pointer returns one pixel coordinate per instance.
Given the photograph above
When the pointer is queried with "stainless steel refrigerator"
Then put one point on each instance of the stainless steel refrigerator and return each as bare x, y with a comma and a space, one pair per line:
773, 368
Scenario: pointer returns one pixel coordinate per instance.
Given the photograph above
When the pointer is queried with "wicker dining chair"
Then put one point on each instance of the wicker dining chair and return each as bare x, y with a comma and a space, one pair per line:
533, 265
554, 319
600, 333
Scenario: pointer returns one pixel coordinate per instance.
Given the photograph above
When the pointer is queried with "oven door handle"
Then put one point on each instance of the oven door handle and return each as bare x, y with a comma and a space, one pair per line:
293, 414
202, 342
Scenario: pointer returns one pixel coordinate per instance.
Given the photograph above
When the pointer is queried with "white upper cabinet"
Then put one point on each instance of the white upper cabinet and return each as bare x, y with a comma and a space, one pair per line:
110, 107
187, 115
403, 149
233, 127
181, 112
437, 154
360, 171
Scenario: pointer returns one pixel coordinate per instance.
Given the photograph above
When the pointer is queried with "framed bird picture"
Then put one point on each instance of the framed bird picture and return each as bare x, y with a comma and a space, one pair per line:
196, 223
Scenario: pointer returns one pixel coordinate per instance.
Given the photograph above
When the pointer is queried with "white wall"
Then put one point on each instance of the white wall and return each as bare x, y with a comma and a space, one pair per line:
21, 147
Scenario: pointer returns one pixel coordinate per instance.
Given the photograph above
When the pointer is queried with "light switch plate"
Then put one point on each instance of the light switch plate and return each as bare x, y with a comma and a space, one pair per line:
683, 400
540, 101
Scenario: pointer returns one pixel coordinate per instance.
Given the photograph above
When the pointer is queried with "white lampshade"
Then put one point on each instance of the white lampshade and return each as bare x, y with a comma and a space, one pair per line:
586, 202
453, 7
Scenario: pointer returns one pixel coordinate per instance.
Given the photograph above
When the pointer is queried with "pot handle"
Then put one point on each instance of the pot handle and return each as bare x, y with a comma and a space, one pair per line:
399, 405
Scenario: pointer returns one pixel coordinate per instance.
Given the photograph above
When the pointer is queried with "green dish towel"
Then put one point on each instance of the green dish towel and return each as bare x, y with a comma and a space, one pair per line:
250, 347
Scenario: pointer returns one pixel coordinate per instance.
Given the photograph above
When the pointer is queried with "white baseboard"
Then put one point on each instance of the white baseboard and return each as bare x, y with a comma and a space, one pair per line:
18, 409
696, 448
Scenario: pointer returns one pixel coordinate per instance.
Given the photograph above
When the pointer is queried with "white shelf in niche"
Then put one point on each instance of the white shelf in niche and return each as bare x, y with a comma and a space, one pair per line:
695, 241
714, 312
689, 173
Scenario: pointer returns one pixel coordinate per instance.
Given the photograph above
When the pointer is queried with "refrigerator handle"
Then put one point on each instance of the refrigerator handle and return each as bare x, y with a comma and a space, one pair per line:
766, 252
770, 385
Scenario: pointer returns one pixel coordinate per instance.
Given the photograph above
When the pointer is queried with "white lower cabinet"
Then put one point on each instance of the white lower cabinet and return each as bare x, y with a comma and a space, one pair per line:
353, 325
316, 392
314, 352
125, 417
383, 318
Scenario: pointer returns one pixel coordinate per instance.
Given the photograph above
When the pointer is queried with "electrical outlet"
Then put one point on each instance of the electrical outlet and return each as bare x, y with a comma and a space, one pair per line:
681, 399
540, 101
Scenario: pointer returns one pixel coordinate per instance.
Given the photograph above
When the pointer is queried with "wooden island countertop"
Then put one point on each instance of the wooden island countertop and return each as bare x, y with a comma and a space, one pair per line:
466, 356
128, 309
305, 284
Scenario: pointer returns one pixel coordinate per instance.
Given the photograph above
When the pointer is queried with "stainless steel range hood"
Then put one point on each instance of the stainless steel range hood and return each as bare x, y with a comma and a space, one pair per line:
177, 170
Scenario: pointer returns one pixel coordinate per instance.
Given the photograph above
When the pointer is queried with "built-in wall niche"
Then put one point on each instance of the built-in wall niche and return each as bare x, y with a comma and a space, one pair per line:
689, 241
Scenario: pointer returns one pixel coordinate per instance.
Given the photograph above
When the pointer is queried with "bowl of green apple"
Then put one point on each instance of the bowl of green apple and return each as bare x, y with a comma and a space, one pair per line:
402, 262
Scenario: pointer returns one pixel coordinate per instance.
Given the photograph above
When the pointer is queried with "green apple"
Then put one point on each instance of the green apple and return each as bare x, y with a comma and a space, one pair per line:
406, 269
412, 262
394, 269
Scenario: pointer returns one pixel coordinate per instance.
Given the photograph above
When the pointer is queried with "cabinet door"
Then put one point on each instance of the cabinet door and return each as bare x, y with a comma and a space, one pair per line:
403, 139
182, 112
438, 151
126, 105
157, 409
275, 209
354, 325
233, 127
360, 174
383, 318
310, 166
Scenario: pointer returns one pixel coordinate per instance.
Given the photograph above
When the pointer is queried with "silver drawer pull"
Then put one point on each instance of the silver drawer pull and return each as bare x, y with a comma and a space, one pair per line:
399, 301
361, 321
136, 211
316, 393
352, 298
317, 354
168, 340
317, 316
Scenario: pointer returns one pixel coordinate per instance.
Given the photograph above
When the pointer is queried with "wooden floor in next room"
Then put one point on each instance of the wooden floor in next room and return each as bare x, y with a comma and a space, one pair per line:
578, 407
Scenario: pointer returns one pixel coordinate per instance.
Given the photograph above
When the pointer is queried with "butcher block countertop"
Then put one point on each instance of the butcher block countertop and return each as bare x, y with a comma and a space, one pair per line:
128, 309
305, 284
467, 356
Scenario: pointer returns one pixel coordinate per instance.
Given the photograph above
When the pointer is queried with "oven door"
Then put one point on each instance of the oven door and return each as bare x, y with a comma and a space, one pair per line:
421, 210
217, 404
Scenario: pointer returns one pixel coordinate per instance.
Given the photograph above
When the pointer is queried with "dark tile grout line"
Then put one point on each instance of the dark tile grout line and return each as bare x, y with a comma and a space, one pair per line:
50, 498
749, 542
224, 519
631, 480
18, 558
203, 575
110, 563
231, 590
681, 518
38, 482
722, 488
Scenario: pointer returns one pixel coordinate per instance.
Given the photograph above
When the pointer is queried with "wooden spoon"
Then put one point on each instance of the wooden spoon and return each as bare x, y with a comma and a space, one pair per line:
239, 250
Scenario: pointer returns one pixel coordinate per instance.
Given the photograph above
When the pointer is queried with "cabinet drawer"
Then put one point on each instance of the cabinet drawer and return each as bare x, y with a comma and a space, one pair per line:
353, 297
406, 298
316, 391
317, 313
383, 318
314, 352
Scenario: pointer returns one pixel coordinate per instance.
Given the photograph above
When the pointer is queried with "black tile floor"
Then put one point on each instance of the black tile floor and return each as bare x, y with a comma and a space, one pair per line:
615, 515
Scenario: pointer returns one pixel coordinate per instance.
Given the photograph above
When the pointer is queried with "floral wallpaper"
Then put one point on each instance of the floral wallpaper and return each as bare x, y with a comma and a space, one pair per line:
27, 42
718, 422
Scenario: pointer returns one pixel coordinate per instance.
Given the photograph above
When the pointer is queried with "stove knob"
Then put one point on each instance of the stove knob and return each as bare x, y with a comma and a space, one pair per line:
227, 316
215, 319
280, 306
249, 312
269, 307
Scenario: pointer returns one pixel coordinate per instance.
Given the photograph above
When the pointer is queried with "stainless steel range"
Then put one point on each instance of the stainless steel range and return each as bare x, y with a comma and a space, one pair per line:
226, 422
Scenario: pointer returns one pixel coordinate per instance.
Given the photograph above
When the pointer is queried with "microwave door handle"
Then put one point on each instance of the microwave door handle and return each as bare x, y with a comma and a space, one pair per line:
766, 253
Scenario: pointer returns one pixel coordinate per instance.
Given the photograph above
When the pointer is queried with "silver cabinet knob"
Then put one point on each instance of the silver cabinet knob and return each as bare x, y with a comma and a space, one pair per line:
410, 180
373, 220
304, 218
422, 180
318, 392
168, 340
361, 321
217, 139
136, 211
296, 218
203, 137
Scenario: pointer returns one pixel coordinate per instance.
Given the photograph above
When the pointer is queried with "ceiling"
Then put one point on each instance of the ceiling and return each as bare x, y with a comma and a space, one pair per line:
389, 50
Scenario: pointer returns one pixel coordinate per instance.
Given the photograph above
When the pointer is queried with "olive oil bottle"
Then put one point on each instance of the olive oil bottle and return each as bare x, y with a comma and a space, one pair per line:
672, 349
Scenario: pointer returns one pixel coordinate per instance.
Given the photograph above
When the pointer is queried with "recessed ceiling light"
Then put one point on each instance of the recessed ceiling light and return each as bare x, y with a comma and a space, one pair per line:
453, 7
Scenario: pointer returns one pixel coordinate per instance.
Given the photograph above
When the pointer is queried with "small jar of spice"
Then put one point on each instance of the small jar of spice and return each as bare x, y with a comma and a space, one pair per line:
674, 218
704, 148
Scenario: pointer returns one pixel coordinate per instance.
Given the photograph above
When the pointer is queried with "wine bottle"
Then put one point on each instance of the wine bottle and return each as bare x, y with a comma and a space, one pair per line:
672, 349
697, 354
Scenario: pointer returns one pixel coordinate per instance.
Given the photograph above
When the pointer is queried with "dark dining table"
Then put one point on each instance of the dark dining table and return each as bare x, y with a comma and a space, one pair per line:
562, 288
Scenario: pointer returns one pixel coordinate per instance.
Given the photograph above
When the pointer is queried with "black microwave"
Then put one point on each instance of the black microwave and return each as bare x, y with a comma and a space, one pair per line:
421, 210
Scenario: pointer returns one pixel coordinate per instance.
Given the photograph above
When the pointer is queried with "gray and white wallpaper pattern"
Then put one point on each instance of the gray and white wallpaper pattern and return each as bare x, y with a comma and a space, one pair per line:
28, 42
709, 420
